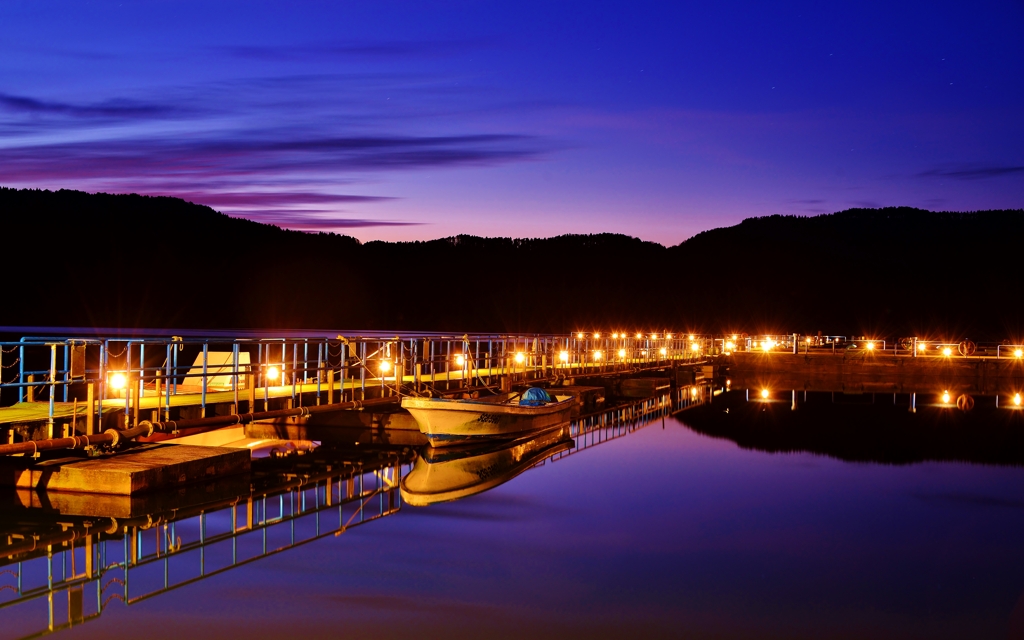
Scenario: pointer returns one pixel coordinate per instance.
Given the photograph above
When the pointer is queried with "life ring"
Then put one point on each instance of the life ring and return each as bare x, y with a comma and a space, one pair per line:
967, 347
964, 402
907, 344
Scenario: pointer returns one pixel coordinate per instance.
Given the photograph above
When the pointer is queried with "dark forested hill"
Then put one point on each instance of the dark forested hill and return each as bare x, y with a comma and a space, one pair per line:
71, 258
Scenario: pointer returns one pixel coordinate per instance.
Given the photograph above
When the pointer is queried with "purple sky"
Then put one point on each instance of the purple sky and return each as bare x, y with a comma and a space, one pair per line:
389, 120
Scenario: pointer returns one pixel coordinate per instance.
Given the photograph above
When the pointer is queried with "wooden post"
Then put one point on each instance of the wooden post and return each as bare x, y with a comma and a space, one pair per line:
30, 391
330, 386
90, 417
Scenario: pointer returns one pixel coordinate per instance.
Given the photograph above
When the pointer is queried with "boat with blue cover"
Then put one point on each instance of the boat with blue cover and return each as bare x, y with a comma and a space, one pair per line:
504, 416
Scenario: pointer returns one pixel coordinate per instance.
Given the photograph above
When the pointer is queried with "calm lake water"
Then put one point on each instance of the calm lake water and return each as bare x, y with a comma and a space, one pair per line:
663, 532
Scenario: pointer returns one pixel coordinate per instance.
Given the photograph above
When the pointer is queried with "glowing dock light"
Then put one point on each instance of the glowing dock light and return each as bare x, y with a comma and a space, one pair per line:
663, 351
460, 360
693, 391
945, 397
1016, 399
870, 346
615, 336
117, 381
385, 366
694, 347
767, 345
728, 382
734, 336
1018, 353
668, 336
520, 358
691, 337
947, 352
563, 356
597, 335
622, 353
808, 340
730, 345
579, 335
598, 355
654, 336
639, 335
273, 373
921, 346
764, 393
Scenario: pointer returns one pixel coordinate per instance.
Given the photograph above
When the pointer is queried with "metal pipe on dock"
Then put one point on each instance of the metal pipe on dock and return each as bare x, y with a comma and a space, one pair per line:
110, 436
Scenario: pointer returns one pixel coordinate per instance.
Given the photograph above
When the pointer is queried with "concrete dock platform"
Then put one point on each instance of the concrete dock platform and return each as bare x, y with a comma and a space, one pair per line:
137, 470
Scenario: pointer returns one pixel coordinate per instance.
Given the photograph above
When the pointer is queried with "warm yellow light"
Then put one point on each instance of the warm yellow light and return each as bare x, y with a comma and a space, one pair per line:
520, 358
734, 336
639, 335
871, 346
663, 351
597, 355
615, 336
273, 373
808, 341
695, 347
945, 396
730, 345
460, 360
1016, 399
597, 335
767, 345
654, 336
622, 353
564, 356
728, 382
385, 366
947, 351
691, 337
693, 391
579, 335
921, 346
1018, 353
764, 393
668, 336
118, 381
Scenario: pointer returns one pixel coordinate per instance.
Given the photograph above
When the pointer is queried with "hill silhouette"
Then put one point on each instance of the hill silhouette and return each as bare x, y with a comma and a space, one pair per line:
78, 259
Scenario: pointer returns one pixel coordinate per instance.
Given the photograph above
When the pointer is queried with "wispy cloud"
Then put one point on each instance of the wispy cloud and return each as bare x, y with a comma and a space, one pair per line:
118, 108
319, 220
388, 50
972, 172
271, 199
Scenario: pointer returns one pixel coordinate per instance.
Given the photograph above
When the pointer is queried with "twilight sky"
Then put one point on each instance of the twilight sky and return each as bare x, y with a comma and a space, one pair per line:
405, 120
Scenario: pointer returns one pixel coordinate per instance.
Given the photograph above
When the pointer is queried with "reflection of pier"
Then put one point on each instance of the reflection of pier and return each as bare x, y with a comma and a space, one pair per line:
65, 557
597, 428
75, 553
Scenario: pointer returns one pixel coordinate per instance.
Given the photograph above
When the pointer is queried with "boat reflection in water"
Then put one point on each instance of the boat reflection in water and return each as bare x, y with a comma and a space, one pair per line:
450, 473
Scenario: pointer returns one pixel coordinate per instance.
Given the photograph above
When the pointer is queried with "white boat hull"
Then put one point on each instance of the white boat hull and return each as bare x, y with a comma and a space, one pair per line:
447, 422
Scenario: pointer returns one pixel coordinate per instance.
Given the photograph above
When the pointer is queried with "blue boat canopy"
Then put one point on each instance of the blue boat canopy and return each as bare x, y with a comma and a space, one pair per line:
535, 397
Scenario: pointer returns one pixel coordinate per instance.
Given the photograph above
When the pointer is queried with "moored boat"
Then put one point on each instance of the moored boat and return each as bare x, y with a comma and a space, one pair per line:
504, 416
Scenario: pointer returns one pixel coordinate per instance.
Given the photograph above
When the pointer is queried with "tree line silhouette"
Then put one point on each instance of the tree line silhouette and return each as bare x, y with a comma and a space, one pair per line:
76, 259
